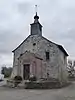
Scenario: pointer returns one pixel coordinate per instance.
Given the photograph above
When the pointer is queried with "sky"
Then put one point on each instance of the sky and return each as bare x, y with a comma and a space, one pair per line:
56, 16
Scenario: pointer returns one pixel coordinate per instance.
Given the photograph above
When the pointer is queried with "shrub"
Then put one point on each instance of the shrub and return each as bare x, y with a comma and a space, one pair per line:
18, 78
32, 78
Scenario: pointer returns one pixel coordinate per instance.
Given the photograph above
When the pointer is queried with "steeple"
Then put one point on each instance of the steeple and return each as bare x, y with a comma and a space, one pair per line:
36, 17
36, 27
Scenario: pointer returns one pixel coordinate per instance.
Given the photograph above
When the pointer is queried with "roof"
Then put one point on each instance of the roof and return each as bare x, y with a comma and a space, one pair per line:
63, 50
59, 46
35, 23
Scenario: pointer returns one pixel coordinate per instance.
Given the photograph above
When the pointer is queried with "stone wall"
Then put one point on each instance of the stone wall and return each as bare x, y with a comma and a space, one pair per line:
34, 62
53, 65
63, 74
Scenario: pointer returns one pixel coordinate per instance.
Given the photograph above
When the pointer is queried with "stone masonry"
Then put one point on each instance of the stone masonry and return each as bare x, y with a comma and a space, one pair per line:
55, 66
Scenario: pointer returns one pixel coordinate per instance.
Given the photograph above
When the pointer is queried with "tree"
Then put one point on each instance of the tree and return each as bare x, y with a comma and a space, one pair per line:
70, 63
6, 71
74, 63
71, 70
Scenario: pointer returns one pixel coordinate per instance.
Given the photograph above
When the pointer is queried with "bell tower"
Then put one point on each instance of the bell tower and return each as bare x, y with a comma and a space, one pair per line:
36, 27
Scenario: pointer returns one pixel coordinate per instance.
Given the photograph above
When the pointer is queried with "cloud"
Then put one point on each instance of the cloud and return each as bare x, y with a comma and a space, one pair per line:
12, 18
23, 7
56, 16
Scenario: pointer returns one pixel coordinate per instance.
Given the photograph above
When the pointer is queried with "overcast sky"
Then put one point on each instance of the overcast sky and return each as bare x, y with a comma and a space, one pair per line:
56, 16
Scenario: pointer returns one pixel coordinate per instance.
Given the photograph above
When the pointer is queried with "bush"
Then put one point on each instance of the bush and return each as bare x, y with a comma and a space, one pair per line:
32, 78
18, 78
42, 85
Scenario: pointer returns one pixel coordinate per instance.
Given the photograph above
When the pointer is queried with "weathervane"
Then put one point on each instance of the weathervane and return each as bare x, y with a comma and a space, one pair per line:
36, 16
36, 9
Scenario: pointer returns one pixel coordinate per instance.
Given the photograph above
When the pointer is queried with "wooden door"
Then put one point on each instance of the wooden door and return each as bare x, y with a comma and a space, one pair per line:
26, 71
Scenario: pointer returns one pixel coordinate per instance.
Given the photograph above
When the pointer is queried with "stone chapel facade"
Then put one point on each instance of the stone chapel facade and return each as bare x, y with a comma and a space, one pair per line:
39, 56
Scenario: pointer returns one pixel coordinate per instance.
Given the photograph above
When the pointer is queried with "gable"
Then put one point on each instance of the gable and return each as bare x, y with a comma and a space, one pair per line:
59, 46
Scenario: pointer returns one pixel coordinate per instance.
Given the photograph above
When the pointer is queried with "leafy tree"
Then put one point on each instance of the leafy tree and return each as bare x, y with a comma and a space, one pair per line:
6, 71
